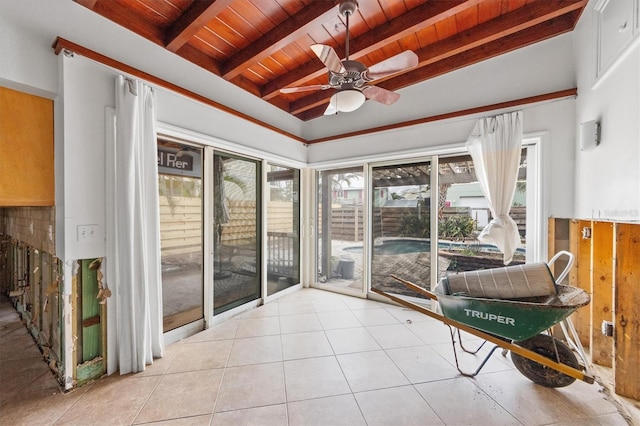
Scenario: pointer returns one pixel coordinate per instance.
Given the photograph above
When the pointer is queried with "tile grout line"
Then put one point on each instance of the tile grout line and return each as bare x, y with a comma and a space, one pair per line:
284, 373
343, 373
224, 372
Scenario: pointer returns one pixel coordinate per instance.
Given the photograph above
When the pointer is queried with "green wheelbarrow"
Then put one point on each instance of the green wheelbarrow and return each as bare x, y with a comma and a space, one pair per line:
515, 308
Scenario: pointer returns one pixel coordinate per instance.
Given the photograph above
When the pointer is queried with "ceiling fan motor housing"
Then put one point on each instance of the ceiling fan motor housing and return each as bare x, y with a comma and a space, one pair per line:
351, 78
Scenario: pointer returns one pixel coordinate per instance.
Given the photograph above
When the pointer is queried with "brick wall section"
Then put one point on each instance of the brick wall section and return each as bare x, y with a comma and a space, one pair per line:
34, 226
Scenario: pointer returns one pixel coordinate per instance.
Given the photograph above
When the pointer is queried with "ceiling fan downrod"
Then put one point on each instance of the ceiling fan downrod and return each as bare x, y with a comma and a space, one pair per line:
346, 9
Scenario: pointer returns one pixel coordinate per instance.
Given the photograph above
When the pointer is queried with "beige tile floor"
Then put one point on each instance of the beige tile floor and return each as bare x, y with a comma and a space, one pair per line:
310, 358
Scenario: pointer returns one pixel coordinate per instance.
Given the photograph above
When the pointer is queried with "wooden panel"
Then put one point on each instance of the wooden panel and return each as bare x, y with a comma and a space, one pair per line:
580, 276
602, 282
26, 150
627, 315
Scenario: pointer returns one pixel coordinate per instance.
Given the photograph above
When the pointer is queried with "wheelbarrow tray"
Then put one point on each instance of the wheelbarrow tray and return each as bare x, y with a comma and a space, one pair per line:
510, 319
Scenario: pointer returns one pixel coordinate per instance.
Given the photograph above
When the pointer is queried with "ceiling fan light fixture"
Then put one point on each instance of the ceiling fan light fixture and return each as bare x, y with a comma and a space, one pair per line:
347, 100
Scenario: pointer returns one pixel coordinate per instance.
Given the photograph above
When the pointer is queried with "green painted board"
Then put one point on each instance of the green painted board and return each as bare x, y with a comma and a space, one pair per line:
90, 371
91, 335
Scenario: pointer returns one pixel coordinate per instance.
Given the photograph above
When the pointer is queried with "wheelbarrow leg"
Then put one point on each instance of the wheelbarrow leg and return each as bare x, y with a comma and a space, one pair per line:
573, 340
455, 354
472, 352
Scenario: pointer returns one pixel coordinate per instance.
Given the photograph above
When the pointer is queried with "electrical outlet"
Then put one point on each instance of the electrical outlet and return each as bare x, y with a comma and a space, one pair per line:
87, 232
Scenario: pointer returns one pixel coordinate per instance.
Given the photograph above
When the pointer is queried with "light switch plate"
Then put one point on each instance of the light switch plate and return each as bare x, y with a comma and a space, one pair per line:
87, 232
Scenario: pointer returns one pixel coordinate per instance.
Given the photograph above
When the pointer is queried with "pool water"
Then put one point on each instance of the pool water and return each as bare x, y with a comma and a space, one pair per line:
394, 247
403, 246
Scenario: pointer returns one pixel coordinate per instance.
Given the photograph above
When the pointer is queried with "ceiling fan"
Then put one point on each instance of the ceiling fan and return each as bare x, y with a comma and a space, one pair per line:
351, 78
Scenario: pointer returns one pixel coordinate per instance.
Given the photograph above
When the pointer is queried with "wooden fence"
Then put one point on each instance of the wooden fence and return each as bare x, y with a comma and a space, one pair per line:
347, 223
181, 223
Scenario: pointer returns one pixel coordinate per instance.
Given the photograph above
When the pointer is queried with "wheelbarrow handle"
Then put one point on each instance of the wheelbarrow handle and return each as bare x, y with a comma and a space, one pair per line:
415, 288
566, 270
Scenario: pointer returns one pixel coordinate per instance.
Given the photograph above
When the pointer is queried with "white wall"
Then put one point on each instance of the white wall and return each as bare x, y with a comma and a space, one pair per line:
608, 176
27, 63
88, 90
188, 114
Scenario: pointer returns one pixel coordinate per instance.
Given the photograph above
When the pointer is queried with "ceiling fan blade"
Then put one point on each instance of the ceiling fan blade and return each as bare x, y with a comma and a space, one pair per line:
400, 62
381, 95
329, 58
305, 88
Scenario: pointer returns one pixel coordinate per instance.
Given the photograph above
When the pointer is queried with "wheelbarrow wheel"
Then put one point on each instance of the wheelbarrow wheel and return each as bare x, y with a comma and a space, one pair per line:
546, 346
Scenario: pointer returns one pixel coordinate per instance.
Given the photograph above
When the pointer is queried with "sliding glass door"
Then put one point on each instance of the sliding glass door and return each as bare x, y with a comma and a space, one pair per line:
463, 212
283, 228
401, 226
236, 229
340, 236
181, 230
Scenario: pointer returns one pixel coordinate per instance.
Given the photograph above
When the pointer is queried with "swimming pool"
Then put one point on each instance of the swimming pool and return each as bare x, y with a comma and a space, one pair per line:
408, 245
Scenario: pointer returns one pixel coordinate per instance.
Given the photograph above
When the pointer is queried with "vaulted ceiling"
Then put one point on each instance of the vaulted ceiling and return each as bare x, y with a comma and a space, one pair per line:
263, 46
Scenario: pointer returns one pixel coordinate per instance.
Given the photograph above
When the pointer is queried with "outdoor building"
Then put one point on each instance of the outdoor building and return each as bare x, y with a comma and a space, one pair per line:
213, 212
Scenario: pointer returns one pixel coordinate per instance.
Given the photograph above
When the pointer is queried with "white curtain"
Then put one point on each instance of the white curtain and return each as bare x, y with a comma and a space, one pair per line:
495, 144
134, 310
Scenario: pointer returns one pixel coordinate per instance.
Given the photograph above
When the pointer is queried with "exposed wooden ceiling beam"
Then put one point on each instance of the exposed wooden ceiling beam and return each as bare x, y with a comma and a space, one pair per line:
195, 56
193, 20
316, 13
521, 19
89, 4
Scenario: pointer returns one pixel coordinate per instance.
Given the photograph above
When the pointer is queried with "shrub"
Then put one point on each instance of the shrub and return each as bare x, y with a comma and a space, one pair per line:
453, 227
412, 225
456, 227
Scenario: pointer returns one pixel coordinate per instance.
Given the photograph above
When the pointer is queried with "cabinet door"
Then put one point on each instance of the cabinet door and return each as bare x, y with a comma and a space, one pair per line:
615, 30
26, 150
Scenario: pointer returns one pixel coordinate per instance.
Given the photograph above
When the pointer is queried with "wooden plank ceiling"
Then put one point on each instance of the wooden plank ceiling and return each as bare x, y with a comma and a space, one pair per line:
264, 45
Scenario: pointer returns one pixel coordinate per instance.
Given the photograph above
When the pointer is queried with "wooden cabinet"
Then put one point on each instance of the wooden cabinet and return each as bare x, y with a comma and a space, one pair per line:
26, 150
